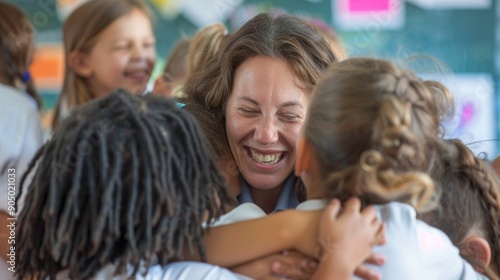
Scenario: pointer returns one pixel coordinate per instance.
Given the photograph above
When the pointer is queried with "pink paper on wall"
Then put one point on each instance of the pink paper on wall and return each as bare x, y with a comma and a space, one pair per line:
356, 6
368, 15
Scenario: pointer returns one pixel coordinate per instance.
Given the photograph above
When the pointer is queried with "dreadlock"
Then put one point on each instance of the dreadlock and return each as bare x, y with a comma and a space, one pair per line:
470, 201
126, 181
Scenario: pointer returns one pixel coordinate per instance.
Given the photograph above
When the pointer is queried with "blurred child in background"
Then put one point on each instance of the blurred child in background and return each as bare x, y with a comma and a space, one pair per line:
202, 49
205, 47
175, 71
108, 45
19, 120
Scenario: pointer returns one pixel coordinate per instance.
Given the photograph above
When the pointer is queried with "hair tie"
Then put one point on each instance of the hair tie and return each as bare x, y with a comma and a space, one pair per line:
26, 77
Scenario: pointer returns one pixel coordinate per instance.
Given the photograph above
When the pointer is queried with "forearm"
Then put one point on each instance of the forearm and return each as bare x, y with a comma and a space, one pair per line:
241, 242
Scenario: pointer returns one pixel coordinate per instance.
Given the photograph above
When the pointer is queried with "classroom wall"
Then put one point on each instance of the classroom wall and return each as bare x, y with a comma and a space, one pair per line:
463, 39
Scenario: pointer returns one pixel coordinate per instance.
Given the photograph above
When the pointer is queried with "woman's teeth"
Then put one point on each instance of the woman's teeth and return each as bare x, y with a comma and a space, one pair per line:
265, 159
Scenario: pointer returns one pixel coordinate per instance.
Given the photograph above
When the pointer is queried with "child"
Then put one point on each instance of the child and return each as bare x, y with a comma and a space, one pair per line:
205, 47
126, 183
19, 105
117, 185
107, 45
176, 69
469, 207
203, 50
18, 47
372, 131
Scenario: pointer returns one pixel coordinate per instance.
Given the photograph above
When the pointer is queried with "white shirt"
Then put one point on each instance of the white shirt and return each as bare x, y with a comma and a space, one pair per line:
414, 250
177, 271
21, 136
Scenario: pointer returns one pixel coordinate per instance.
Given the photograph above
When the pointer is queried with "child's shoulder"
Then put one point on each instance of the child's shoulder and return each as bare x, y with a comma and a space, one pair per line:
16, 99
243, 212
401, 219
414, 244
396, 212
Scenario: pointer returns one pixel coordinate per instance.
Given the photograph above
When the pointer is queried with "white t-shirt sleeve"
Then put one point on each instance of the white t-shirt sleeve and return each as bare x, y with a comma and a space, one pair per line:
416, 251
190, 271
22, 137
440, 257
243, 212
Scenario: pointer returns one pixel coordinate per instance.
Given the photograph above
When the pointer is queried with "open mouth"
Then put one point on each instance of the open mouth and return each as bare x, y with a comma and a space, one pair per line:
137, 74
265, 158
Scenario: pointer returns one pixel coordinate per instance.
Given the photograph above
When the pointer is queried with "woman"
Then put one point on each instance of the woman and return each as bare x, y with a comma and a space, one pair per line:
252, 101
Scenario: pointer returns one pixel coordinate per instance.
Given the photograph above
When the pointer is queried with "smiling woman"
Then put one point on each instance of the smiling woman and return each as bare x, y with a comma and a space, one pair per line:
108, 45
256, 95
264, 114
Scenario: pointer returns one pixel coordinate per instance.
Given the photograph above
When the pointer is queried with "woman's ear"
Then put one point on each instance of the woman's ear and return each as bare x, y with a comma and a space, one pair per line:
479, 249
78, 62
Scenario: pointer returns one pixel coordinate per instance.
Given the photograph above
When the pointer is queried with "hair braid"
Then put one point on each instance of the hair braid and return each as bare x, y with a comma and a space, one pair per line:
384, 134
487, 185
469, 203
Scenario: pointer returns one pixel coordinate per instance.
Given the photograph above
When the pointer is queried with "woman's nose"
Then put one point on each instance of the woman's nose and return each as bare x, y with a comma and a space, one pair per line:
266, 132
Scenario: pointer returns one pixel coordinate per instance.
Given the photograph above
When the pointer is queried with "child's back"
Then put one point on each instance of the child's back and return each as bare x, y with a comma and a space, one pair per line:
372, 131
126, 181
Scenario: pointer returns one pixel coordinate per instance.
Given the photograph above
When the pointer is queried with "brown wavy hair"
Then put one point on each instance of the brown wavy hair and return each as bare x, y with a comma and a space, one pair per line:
470, 201
17, 46
285, 37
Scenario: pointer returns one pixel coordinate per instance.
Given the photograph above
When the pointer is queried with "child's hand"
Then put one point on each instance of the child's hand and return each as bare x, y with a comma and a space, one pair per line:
287, 265
348, 235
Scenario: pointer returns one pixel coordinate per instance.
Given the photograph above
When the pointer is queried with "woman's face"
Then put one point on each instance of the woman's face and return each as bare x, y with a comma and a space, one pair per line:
264, 114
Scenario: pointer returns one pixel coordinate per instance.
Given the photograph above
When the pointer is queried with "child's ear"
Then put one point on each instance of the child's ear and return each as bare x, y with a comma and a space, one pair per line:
158, 84
78, 62
495, 164
479, 249
305, 158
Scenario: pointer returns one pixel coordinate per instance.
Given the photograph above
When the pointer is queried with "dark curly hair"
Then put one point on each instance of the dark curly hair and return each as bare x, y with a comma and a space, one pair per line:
127, 180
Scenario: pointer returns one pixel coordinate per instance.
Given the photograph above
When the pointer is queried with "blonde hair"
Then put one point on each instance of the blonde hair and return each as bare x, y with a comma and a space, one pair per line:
374, 130
80, 32
176, 67
205, 46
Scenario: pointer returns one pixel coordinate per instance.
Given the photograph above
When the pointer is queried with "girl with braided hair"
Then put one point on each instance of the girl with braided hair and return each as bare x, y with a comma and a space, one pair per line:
469, 207
126, 182
19, 112
373, 131
17, 46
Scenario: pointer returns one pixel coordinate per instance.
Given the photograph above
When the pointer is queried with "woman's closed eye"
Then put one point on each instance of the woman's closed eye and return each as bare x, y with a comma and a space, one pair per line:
248, 112
290, 117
